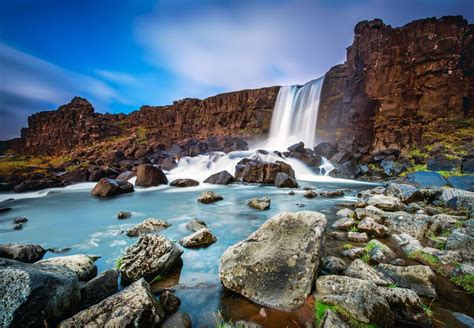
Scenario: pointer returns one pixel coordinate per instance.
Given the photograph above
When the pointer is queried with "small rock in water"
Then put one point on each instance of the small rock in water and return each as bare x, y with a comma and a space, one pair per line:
331, 193
259, 203
170, 302
300, 205
179, 319
345, 213
148, 226
200, 238
184, 183
344, 224
339, 235
208, 197
310, 193
56, 250
195, 225
5, 209
291, 193
110, 187
123, 215
283, 180
20, 220
221, 178
357, 237
18, 226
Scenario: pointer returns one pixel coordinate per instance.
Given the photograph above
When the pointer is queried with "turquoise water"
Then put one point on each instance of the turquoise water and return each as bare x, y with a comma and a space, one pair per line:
72, 218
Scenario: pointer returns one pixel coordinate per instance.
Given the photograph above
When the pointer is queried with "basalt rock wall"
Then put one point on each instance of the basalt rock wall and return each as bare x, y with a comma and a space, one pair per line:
399, 83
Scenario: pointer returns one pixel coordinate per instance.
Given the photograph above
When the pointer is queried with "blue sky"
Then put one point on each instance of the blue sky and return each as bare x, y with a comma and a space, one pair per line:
123, 54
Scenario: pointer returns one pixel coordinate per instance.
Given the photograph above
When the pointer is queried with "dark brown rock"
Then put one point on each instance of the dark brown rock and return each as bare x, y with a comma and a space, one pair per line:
221, 178
184, 183
109, 187
150, 176
256, 171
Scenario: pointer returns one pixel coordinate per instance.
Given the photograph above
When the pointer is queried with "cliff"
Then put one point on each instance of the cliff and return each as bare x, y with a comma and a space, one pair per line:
397, 89
399, 84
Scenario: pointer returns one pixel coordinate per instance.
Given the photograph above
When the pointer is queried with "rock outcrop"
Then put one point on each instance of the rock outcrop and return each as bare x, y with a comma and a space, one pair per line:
398, 83
274, 266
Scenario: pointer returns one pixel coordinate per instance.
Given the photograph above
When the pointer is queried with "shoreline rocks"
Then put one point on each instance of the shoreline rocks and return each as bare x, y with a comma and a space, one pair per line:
27, 253
80, 264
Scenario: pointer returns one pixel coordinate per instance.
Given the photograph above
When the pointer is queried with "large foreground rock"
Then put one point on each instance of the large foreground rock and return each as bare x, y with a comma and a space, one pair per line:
134, 306
150, 176
110, 187
150, 256
359, 298
28, 253
99, 288
81, 264
31, 294
276, 265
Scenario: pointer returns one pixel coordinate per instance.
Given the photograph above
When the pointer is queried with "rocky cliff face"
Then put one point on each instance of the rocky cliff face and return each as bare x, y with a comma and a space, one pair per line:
241, 113
398, 84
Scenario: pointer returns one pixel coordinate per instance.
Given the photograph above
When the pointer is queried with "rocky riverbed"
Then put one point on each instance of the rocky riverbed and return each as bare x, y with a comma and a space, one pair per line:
355, 254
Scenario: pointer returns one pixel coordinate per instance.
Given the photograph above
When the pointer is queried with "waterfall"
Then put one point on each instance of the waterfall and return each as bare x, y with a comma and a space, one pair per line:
295, 115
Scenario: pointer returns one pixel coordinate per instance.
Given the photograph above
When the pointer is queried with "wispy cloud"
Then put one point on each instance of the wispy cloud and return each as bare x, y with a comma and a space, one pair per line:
116, 77
29, 84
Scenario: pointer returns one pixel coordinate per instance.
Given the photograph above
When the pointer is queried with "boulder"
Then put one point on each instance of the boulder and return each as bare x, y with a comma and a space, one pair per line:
325, 149
148, 226
370, 226
272, 266
76, 176
416, 225
310, 194
344, 224
32, 294
353, 252
348, 170
201, 238
442, 163
419, 278
195, 225
357, 237
257, 171
109, 187
178, 320
462, 240
361, 270
220, 178
28, 253
126, 175
184, 183
361, 299
81, 264
405, 192
99, 288
168, 164
379, 252
283, 180
299, 147
465, 182
427, 179
406, 306
149, 176
259, 203
341, 157
345, 213
386, 203
331, 193
209, 197
150, 256
134, 306
333, 265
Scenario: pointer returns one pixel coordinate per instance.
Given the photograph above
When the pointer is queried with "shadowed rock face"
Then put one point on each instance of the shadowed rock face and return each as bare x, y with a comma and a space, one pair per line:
397, 82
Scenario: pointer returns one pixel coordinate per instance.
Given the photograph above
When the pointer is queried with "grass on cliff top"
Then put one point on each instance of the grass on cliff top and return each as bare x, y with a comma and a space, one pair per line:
11, 165
466, 282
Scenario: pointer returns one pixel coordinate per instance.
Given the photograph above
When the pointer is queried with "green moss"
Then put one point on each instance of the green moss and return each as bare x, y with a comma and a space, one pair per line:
421, 256
354, 229
347, 246
392, 286
428, 310
118, 263
365, 257
466, 282
321, 308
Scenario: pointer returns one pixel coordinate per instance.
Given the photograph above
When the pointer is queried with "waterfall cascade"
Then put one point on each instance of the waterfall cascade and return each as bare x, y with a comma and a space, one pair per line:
294, 119
295, 115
